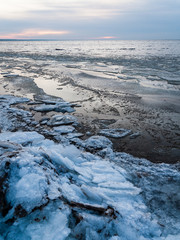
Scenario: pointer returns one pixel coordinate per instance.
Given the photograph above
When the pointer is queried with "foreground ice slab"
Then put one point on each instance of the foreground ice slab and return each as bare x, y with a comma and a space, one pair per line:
54, 189
50, 190
45, 182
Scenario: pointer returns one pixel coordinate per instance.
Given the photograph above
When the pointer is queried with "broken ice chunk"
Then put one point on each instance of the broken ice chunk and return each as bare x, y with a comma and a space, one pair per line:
91, 194
30, 191
44, 108
58, 120
135, 135
97, 142
13, 100
58, 107
21, 137
64, 129
9, 146
55, 226
73, 135
115, 133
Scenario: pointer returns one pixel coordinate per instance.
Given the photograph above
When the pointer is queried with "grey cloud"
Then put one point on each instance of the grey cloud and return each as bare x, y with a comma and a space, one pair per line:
154, 19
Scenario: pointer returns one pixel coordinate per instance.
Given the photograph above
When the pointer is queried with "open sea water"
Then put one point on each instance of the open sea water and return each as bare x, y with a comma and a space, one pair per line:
135, 66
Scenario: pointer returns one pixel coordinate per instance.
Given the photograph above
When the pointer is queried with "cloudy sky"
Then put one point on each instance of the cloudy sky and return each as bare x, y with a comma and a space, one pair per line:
90, 19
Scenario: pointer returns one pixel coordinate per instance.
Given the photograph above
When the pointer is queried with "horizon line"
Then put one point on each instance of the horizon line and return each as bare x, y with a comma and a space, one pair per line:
95, 39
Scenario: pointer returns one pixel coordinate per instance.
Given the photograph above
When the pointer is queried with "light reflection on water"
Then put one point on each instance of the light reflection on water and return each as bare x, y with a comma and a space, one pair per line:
94, 48
67, 92
136, 83
135, 67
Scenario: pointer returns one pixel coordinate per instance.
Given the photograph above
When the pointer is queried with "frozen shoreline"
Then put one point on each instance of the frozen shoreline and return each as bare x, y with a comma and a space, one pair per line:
153, 119
66, 174
54, 189
132, 85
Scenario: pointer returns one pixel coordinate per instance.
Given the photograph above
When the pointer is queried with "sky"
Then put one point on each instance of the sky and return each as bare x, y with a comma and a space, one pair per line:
90, 19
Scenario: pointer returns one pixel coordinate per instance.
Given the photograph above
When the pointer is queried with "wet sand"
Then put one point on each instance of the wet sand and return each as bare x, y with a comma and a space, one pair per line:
158, 131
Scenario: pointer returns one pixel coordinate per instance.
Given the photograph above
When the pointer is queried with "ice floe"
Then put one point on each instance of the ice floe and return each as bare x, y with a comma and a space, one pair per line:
97, 142
58, 120
50, 103
58, 107
115, 133
64, 129
13, 100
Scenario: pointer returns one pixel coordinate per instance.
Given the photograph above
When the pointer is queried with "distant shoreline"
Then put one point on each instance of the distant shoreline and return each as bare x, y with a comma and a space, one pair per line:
60, 40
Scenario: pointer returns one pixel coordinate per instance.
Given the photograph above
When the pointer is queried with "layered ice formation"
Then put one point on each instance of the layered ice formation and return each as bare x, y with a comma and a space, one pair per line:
57, 190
